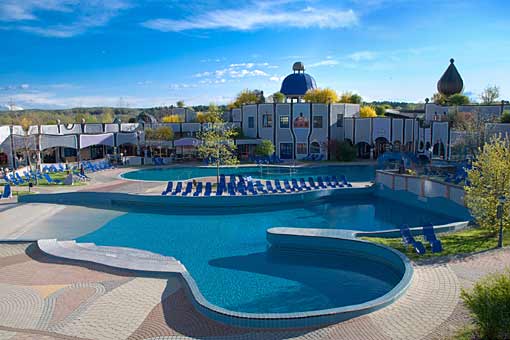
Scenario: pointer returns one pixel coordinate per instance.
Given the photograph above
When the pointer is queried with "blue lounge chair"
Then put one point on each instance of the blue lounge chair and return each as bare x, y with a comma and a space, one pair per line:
189, 187
295, 185
304, 185
270, 188
278, 186
198, 190
168, 189
338, 184
231, 189
430, 236
178, 189
7, 191
345, 182
408, 240
18, 177
241, 188
287, 186
260, 187
208, 189
312, 183
251, 188
321, 183
50, 180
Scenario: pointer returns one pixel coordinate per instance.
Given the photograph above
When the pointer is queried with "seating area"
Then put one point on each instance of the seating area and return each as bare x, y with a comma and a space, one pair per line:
7, 192
429, 236
314, 157
239, 186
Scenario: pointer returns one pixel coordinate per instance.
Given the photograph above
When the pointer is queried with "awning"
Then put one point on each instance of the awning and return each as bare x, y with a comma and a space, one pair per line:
100, 139
49, 141
127, 138
248, 141
187, 142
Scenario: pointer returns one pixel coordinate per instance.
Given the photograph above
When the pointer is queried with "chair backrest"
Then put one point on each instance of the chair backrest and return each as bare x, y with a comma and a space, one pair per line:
208, 187
7, 191
178, 187
189, 186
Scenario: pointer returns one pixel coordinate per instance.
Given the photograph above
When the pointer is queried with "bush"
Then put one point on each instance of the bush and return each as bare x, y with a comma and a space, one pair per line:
342, 151
505, 117
265, 148
489, 303
367, 112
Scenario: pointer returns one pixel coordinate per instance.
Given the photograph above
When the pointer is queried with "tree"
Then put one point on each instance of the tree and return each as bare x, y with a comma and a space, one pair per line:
247, 97
324, 96
180, 103
162, 133
218, 146
278, 97
439, 99
173, 119
380, 110
505, 117
458, 99
490, 94
367, 112
265, 148
213, 115
350, 98
490, 179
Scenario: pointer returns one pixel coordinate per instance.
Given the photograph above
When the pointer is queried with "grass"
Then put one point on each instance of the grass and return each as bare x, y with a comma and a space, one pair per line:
43, 182
455, 243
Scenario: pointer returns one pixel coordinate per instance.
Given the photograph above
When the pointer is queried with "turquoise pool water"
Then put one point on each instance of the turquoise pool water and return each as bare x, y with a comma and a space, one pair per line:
228, 256
352, 172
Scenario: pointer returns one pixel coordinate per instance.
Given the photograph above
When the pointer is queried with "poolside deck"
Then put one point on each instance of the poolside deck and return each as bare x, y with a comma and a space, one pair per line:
42, 297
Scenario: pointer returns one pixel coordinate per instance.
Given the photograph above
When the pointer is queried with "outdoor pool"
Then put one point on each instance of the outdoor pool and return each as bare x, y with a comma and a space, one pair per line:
352, 172
227, 253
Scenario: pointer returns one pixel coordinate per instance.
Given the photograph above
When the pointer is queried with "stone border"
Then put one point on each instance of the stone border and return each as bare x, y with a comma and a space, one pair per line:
340, 241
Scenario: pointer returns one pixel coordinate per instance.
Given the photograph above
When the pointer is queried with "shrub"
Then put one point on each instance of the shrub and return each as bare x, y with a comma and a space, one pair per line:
505, 117
265, 148
367, 112
325, 96
342, 151
489, 304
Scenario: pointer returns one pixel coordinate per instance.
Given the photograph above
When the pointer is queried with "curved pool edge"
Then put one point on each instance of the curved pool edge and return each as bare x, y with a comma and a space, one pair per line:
143, 261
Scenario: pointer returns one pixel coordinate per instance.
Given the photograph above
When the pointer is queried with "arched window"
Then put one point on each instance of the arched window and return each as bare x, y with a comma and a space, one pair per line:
315, 147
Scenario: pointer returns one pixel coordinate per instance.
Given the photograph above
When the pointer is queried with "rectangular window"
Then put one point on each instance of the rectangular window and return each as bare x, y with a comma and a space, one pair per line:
339, 120
267, 120
317, 122
301, 148
251, 122
284, 122
286, 151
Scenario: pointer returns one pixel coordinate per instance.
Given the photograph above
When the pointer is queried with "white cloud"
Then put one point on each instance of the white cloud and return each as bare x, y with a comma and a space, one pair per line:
24, 86
327, 62
276, 78
362, 55
257, 16
85, 15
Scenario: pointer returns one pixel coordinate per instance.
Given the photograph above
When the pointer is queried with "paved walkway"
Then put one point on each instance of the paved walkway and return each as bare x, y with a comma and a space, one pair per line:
42, 297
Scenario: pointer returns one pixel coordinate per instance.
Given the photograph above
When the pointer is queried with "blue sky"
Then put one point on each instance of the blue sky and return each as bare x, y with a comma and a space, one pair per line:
69, 53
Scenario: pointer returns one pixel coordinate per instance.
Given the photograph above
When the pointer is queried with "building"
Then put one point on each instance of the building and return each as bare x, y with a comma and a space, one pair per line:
296, 84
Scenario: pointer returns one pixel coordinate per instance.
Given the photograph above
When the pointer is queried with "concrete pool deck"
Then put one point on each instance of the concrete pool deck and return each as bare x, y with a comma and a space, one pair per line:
43, 297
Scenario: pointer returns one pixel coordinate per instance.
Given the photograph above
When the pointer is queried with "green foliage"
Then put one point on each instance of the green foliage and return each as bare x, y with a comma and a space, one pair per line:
342, 151
489, 179
180, 103
490, 94
324, 96
278, 97
162, 133
458, 99
213, 115
380, 110
265, 148
350, 98
218, 146
489, 304
247, 97
505, 117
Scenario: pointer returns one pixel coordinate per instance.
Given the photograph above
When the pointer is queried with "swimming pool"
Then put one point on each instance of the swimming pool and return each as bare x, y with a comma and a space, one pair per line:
228, 256
352, 172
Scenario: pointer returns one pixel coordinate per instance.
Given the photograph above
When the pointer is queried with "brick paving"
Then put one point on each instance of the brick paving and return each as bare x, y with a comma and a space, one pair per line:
47, 298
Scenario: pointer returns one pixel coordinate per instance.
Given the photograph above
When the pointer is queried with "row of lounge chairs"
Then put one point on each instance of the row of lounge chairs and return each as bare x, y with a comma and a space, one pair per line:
239, 185
314, 157
428, 234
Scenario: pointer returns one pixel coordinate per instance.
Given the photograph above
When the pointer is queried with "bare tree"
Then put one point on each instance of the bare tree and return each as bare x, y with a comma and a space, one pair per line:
490, 94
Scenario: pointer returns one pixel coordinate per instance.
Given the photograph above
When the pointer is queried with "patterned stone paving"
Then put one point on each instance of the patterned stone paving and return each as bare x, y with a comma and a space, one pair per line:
47, 298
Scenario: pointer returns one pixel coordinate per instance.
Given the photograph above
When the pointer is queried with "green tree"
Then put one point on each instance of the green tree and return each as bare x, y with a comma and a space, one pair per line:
324, 96
439, 99
458, 99
247, 97
490, 179
350, 98
380, 110
265, 148
218, 146
278, 97
505, 117
356, 99
490, 94
180, 103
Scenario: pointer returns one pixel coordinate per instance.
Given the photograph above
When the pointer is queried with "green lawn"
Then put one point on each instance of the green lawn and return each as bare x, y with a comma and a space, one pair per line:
460, 242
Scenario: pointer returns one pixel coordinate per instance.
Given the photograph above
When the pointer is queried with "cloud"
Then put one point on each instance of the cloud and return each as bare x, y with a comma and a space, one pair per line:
84, 15
257, 16
24, 86
362, 55
327, 62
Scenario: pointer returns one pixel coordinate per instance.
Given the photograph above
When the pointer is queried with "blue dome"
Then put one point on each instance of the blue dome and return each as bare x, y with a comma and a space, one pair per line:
297, 84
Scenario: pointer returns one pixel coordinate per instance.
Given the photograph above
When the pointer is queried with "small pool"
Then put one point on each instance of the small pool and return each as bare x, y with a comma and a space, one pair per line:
228, 256
352, 172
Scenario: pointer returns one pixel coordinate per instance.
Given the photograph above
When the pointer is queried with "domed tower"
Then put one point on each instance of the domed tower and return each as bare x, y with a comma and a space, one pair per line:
295, 85
451, 81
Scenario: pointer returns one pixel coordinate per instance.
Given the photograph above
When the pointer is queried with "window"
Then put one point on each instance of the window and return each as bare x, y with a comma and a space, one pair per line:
339, 120
284, 122
267, 120
315, 147
317, 122
251, 122
301, 148
286, 151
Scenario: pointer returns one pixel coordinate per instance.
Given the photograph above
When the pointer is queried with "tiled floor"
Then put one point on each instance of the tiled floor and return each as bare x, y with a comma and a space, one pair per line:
42, 297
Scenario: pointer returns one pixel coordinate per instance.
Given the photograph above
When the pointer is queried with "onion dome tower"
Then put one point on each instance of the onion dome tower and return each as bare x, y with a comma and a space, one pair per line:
295, 85
451, 81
